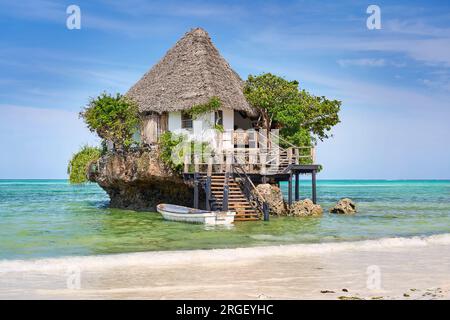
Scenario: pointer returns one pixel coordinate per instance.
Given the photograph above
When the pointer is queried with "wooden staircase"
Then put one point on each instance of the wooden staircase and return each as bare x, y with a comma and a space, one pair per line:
237, 200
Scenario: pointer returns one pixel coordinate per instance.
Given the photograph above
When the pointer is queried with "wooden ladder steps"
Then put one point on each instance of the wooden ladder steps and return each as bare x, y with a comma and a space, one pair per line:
237, 201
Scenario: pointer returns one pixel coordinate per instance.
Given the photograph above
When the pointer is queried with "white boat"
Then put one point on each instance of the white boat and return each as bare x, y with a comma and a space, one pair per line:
191, 215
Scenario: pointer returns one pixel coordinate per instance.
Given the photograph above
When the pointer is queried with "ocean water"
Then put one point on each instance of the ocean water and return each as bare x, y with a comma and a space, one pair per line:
51, 218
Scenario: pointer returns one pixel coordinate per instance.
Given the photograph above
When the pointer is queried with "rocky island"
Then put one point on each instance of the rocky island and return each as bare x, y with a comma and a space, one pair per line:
139, 180
191, 132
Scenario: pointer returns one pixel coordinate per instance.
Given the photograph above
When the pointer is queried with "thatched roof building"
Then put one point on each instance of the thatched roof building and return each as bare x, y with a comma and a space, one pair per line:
191, 73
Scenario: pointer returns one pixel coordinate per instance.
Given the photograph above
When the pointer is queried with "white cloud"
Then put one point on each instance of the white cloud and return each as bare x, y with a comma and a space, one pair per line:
416, 27
432, 50
438, 83
366, 62
351, 90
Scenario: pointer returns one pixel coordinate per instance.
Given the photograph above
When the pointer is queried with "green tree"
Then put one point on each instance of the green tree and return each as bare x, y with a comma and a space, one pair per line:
270, 94
79, 164
301, 117
113, 118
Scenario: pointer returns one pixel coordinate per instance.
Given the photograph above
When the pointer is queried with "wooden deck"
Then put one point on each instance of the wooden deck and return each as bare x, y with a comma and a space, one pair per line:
229, 177
235, 189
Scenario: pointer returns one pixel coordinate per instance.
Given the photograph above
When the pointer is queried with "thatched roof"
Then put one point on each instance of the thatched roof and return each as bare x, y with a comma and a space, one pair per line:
191, 73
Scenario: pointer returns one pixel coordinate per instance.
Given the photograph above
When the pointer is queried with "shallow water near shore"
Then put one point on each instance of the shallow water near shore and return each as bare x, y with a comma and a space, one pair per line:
51, 218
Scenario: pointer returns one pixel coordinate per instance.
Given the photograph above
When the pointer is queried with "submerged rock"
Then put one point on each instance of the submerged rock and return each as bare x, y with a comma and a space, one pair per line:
344, 206
305, 208
274, 198
278, 206
138, 180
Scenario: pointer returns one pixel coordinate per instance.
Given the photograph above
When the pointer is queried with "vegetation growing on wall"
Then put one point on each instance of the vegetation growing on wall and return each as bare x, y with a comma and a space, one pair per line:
78, 165
174, 147
219, 127
212, 105
169, 153
113, 117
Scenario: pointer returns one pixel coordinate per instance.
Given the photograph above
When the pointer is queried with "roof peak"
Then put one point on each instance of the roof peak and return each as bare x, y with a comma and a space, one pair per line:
198, 32
190, 73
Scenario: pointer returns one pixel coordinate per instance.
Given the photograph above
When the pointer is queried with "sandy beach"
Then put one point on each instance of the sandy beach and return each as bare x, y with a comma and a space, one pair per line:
394, 268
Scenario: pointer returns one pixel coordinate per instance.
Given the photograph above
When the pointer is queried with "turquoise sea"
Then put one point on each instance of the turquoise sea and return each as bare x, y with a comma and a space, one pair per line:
51, 218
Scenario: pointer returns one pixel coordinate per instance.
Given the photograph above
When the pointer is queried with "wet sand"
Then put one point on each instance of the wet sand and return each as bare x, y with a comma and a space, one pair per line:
398, 268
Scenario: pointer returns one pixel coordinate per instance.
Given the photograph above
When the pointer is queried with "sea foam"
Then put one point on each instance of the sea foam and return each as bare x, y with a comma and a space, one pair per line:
173, 258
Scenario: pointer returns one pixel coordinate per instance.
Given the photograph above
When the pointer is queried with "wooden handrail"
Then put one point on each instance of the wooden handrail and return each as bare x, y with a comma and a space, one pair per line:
248, 179
260, 200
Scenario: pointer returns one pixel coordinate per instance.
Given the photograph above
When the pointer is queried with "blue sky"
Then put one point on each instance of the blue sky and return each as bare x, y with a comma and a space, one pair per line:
394, 82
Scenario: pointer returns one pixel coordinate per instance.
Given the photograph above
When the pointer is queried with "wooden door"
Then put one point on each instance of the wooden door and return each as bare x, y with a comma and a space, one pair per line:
150, 129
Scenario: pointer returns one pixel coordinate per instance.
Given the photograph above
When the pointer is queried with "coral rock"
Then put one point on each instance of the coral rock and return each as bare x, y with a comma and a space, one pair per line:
305, 208
344, 206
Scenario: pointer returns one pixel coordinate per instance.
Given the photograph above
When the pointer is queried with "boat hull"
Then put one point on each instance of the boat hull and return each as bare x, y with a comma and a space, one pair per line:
190, 215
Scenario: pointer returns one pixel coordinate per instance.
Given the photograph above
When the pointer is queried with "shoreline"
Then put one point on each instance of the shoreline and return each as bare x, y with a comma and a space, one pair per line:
389, 268
220, 254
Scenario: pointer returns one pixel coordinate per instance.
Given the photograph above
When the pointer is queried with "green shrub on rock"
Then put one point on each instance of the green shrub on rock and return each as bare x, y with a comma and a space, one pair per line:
79, 164
114, 118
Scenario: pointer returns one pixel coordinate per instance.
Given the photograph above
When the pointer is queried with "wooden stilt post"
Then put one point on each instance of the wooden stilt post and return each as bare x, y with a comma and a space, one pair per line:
196, 182
266, 211
290, 189
297, 186
208, 183
225, 192
314, 193
208, 193
196, 190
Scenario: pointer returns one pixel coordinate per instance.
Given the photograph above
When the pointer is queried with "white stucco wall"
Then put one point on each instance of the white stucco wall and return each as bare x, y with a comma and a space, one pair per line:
202, 124
228, 119
228, 125
174, 121
202, 127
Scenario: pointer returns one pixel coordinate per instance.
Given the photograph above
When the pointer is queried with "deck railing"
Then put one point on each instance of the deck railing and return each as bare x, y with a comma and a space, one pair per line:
257, 157
252, 160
